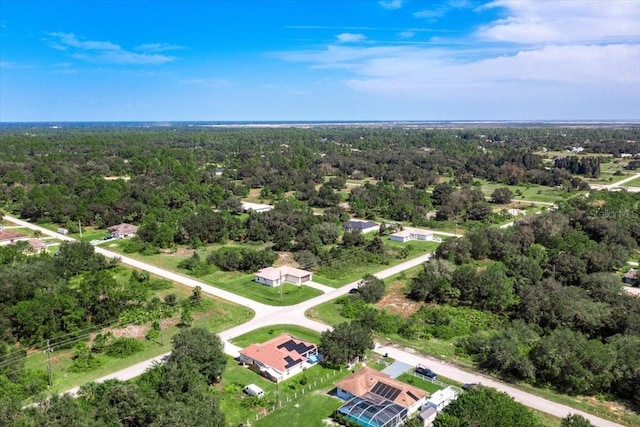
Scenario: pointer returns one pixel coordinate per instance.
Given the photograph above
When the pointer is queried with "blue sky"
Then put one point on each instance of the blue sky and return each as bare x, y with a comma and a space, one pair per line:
167, 60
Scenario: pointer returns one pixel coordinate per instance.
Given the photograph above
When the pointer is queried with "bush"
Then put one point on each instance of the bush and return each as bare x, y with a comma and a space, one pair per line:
371, 289
352, 306
124, 347
83, 360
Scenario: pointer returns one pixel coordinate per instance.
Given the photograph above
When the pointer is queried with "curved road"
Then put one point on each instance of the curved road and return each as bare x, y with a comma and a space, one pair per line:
266, 315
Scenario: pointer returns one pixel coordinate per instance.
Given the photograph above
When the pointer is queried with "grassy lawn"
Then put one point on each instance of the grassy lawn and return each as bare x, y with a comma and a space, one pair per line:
284, 295
632, 183
328, 313
419, 383
311, 410
230, 395
338, 277
215, 315
533, 192
239, 408
266, 333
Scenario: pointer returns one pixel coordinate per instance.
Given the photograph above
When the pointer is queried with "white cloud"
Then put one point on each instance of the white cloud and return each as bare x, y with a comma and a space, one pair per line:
158, 47
561, 21
207, 82
432, 13
407, 34
350, 37
104, 51
13, 65
560, 61
391, 4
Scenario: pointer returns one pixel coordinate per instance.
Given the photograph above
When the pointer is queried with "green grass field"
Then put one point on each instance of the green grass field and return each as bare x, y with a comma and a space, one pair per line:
284, 295
311, 410
419, 383
354, 271
328, 312
532, 192
287, 398
632, 183
266, 333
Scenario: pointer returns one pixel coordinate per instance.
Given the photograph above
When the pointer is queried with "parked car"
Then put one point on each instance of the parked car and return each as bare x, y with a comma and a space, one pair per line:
353, 290
469, 386
426, 372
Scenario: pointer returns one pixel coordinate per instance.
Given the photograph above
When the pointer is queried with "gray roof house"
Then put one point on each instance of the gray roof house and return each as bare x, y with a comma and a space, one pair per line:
362, 226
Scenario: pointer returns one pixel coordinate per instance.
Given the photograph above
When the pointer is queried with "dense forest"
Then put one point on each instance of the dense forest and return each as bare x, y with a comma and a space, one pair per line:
168, 181
538, 302
169, 394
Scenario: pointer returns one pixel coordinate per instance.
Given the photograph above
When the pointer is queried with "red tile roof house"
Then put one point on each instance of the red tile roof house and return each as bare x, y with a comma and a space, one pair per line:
8, 237
368, 380
122, 231
271, 276
280, 358
37, 246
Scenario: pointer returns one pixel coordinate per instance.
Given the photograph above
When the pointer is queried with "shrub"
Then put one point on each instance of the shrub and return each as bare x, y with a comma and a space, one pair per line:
124, 347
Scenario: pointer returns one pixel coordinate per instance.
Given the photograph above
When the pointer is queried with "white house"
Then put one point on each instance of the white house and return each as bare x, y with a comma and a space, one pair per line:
256, 207
361, 226
411, 234
441, 398
271, 276
281, 357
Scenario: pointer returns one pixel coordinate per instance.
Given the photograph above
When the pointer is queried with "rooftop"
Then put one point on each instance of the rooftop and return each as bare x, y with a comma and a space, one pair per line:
280, 353
11, 235
273, 273
360, 224
368, 380
123, 229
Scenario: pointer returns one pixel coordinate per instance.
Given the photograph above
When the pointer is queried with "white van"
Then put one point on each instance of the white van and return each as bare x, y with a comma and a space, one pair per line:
254, 390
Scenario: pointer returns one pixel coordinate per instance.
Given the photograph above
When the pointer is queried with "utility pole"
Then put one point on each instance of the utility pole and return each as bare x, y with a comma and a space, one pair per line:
80, 228
281, 284
160, 325
48, 351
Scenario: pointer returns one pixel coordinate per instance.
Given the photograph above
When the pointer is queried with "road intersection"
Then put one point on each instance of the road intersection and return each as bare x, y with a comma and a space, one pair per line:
266, 315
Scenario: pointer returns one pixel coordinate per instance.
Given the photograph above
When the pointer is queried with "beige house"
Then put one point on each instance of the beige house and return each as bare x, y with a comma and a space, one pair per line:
272, 276
368, 380
122, 231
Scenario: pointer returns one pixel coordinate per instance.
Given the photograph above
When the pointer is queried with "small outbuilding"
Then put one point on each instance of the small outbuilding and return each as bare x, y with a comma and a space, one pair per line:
631, 277
441, 398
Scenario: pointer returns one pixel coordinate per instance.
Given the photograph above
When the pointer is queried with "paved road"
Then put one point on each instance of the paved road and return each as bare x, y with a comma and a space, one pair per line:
616, 184
453, 372
268, 315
